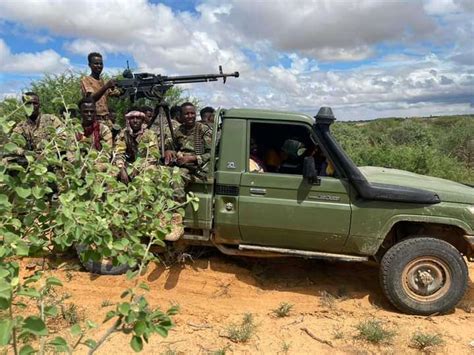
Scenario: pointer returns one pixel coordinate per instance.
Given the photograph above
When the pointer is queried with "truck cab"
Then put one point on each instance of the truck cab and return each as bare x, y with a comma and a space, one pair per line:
306, 198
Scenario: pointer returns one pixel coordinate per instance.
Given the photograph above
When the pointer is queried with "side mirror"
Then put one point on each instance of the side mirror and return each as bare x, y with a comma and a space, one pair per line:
309, 171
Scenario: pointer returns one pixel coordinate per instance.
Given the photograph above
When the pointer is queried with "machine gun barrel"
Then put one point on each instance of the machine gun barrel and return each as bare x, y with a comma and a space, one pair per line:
198, 78
154, 86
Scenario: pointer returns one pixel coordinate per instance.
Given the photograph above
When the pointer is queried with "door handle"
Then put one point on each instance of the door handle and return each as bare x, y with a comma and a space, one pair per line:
258, 191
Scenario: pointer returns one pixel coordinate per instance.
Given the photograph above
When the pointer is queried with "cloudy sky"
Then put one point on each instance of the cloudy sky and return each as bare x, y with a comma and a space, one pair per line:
365, 59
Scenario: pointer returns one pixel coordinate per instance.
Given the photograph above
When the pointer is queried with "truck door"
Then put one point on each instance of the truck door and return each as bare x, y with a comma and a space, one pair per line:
277, 207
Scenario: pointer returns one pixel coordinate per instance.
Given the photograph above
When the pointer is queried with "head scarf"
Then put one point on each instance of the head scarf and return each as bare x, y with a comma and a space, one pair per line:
131, 114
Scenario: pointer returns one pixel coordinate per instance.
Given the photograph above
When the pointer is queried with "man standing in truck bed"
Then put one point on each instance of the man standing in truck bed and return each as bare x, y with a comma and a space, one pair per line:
94, 86
193, 144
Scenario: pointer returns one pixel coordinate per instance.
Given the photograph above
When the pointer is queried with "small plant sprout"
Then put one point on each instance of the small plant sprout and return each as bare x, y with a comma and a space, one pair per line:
374, 332
283, 310
106, 303
241, 333
338, 333
327, 299
424, 341
285, 347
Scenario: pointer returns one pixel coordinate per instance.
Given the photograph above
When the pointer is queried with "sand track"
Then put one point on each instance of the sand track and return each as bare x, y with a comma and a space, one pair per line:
329, 298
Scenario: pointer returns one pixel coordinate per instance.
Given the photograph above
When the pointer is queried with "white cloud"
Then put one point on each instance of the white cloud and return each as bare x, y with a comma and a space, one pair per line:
342, 54
440, 7
47, 61
337, 28
421, 86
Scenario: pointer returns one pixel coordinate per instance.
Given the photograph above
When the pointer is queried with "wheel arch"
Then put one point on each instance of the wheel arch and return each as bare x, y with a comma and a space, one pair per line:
447, 230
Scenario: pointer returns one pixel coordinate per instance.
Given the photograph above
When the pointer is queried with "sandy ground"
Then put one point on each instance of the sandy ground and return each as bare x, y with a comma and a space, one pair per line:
329, 300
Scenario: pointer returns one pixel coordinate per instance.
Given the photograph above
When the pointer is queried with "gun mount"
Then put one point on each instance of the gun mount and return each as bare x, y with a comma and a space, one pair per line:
155, 86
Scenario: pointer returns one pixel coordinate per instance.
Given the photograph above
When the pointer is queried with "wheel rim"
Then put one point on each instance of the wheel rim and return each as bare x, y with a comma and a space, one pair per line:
426, 279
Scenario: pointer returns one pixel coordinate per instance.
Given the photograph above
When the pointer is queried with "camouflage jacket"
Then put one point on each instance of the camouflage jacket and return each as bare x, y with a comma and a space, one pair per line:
155, 127
128, 147
37, 132
105, 136
197, 141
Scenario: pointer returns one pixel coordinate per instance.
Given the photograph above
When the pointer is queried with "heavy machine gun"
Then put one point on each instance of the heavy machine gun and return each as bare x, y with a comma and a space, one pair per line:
155, 86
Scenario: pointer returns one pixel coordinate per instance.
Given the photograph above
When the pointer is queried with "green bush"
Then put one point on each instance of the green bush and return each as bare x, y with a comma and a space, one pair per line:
67, 194
441, 146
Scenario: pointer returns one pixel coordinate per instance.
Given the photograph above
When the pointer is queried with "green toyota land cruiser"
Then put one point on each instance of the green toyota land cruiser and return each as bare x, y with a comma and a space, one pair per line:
280, 185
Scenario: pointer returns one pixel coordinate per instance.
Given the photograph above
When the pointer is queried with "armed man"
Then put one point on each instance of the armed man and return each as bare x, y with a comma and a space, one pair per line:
193, 145
93, 86
135, 141
37, 128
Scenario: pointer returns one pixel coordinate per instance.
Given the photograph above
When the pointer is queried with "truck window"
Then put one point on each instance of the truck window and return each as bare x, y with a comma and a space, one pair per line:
281, 148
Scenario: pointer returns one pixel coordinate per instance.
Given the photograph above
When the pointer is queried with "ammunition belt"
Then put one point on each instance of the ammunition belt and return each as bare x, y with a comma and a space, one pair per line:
198, 141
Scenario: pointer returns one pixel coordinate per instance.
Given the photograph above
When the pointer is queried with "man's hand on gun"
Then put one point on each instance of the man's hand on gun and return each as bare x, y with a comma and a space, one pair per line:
111, 84
171, 157
183, 158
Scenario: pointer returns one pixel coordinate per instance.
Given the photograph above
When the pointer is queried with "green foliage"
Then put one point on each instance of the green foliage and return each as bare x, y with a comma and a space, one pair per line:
58, 90
67, 194
283, 310
22, 328
423, 341
135, 316
374, 332
441, 147
241, 333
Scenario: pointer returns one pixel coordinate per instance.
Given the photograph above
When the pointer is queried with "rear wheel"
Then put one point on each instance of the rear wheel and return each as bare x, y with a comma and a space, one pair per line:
102, 267
423, 275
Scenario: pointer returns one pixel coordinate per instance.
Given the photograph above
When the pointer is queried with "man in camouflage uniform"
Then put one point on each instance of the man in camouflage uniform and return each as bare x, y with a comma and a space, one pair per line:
94, 131
154, 122
192, 145
36, 129
207, 116
133, 142
94, 86
175, 113
148, 111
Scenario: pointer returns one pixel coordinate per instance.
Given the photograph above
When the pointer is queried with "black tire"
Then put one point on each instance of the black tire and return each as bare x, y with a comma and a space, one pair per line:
103, 267
423, 275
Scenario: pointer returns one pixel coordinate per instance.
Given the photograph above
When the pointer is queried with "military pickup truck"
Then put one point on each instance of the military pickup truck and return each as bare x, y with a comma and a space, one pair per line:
280, 185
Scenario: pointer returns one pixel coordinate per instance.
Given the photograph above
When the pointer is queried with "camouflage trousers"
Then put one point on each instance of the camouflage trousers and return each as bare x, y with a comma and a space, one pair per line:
187, 178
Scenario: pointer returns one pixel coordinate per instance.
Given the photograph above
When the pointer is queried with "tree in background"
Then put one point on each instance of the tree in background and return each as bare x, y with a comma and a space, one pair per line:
438, 146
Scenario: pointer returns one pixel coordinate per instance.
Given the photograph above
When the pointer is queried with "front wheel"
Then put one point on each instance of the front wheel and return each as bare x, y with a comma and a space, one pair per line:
102, 267
423, 276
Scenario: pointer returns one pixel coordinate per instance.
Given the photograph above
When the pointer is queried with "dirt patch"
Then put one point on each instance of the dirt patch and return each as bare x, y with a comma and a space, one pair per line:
329, 300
